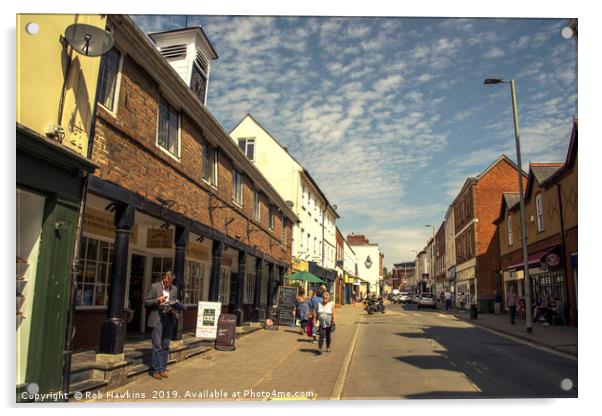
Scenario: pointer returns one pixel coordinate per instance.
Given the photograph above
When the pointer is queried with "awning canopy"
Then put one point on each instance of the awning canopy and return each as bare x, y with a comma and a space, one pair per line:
534, 258
306, 276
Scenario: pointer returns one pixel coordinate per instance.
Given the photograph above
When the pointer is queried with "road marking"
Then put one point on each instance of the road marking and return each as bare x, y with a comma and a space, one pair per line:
338, 386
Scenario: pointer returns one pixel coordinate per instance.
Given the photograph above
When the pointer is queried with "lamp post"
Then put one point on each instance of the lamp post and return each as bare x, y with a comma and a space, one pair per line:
523, 227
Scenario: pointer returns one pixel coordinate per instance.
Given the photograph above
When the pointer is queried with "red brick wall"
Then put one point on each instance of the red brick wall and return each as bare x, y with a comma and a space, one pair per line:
126, 151
502, 177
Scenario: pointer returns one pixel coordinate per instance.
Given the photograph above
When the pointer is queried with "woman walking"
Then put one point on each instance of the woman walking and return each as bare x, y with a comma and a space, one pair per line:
325, 318
302, 309
312, 307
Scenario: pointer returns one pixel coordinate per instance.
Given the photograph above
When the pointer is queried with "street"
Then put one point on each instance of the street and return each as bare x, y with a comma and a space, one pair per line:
403, 354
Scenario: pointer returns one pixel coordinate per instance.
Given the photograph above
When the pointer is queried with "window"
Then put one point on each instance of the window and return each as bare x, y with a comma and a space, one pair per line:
109, 69
249, 288
271, 218
194, 277
209, 164
256, 206
308, 245
510, 236
160, 266
96, 259
539, 208
315, 245
303, 196
309, 204
302, 237
223, 295
198, 83
168, 131
248, 147
237, 187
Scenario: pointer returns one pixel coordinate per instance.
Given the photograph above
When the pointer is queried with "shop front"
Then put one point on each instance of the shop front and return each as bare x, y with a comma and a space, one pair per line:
466, 286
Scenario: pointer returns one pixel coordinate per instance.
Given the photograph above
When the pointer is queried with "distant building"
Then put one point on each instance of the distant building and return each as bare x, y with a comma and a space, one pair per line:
368, 255
403, 276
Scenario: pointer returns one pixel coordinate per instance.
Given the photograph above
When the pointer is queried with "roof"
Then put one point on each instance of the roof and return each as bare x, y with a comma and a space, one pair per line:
543, 171
509, 201
571, 155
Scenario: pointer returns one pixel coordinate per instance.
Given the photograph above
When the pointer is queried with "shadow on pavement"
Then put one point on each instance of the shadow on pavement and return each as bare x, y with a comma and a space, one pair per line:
312, 350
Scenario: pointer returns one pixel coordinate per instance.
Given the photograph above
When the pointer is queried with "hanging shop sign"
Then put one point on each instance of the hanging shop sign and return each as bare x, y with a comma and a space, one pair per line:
159, 238
207, 317
197, 251
227, 260
102, 224
299, 265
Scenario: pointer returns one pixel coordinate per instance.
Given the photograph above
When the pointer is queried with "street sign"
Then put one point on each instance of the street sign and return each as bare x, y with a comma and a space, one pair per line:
226, 332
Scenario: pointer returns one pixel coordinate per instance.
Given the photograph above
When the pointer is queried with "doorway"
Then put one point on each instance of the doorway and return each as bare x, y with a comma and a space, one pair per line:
136, 295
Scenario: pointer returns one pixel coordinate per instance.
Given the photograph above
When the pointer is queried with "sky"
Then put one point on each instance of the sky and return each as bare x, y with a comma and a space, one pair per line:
389, 114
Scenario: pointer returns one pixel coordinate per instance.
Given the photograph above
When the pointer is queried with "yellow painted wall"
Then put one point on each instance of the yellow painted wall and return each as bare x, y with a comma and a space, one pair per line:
41, 65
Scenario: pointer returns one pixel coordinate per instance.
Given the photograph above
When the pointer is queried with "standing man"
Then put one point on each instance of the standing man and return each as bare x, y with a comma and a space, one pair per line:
163, 303
448, 300
497, 303
511, 303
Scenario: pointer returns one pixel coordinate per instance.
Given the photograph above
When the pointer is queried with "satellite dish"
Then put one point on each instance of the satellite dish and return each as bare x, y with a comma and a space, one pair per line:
88, 40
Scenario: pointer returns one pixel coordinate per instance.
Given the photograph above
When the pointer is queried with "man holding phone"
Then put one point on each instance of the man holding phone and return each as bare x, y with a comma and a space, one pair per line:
162, 301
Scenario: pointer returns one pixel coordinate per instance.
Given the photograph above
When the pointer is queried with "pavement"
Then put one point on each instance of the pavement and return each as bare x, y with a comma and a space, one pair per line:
404, 353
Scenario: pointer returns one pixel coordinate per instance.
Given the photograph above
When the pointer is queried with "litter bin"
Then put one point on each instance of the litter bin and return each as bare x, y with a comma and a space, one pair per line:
473, 312
485, 305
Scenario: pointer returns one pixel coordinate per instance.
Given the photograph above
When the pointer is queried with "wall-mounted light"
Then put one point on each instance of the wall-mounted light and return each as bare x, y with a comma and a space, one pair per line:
111, 207
168, 203
200, 239
165, 225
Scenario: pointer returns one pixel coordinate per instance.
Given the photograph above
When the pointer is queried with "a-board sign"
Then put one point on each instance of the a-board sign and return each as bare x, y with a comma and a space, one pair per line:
226, 332
271, 319
207, 317
287, 297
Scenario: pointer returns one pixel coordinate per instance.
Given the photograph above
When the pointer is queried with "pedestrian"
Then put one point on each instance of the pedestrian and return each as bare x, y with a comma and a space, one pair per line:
497, 303
316, 302
302, 309
441, 297
163, 304
448, 300
511, 303
462, 301
310, 315
325, 319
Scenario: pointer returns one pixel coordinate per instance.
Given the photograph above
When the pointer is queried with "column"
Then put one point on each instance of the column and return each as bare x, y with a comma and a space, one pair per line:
112, 331
241, 276
257, 292
181, 239
270, 299
216, 251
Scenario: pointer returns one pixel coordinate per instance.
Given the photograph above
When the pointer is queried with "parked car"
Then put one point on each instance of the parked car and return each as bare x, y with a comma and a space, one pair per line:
415, 297
406, 297
427, 299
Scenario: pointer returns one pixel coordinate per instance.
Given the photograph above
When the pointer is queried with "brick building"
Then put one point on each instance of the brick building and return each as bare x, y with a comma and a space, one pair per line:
477, 245
440, 271
551, 213
403, 275
172, 192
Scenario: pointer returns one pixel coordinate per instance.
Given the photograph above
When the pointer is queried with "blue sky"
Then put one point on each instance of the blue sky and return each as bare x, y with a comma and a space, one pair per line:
390, 115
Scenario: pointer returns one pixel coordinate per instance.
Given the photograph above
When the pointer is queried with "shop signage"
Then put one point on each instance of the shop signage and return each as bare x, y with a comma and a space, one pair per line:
226, 332
197, 251
207, 317
299, 265
102, 224
227, 260
368, 262
286, 304
553, 260
159, 238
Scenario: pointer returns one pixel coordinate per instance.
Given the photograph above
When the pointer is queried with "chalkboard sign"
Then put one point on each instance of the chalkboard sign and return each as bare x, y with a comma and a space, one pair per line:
271, 319
226, 332
287, 297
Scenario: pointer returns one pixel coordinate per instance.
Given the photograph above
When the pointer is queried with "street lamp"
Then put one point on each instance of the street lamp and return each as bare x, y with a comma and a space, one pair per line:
523, 227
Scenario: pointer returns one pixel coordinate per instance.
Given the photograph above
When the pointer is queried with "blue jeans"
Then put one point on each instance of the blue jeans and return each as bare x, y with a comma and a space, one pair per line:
447, 304
161, 336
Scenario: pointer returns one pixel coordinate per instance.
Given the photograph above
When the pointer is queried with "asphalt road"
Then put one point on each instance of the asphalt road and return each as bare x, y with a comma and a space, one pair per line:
403, 354
410, 353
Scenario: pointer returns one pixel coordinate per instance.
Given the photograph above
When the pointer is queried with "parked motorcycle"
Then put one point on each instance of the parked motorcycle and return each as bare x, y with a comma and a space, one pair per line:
373, 304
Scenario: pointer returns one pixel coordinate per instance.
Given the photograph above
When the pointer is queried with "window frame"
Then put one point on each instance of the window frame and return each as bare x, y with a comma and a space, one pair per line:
246, 149
237, 187
117, 87
510, 231
283, 231
257, 205
178, 133
212, 180
80, 282
271, 217
249, 289
539, 212
199, 290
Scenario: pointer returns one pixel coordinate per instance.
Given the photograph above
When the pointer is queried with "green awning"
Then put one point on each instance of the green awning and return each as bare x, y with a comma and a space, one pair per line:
306, 276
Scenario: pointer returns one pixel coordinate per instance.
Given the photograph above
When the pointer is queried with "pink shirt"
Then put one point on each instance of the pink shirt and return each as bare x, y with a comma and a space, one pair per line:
511, 299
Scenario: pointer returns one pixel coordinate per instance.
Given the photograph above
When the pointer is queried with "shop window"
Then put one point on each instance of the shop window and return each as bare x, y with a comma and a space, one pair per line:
109, 71
96, 259
168, 132
194, 279
224, 286
249, 288
160, 266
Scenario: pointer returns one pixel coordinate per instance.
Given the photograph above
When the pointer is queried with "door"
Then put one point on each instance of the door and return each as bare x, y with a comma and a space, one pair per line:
136, 295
